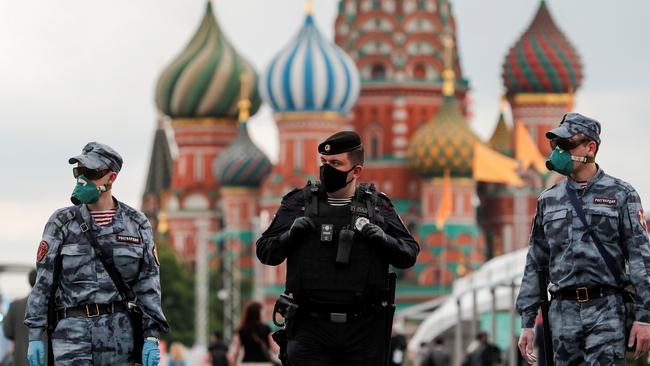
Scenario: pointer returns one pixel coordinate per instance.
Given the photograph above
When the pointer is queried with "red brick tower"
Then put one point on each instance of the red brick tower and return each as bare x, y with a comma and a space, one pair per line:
397, 46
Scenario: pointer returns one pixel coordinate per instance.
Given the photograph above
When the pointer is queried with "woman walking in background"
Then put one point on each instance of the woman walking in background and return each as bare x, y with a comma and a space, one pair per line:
176, 354
254, 338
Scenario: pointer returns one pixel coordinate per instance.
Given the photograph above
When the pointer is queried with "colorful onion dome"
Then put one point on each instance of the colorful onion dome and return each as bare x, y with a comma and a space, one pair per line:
242, 164
203, 81
501, 139
311, 74
543, 60
447, 142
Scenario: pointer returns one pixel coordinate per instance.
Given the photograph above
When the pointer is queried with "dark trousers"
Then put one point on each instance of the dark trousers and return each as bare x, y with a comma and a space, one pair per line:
320, 342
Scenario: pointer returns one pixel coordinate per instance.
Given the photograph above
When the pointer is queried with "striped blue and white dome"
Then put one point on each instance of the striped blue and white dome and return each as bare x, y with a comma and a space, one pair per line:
311, 74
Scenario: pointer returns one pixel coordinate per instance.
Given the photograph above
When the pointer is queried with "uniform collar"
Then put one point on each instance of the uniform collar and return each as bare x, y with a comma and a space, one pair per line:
576, 186
116, 226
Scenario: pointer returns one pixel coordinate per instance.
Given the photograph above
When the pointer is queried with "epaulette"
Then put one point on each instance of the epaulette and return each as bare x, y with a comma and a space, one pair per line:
63, 217
291, 193
137, 216
541, 195
623, 184
385, 200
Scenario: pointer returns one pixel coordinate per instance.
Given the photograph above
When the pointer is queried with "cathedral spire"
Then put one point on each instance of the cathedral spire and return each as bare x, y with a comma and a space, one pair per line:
448, 75
244, 100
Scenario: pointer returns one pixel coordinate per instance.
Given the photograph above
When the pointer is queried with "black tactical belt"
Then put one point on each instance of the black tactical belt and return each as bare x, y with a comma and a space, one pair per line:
584, 294
336, 317
90, 310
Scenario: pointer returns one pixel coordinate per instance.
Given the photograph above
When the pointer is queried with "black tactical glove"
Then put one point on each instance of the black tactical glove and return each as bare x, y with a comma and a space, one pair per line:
374, 233
301, 226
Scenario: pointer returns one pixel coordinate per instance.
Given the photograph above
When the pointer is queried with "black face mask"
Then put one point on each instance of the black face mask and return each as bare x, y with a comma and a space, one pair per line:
332, 178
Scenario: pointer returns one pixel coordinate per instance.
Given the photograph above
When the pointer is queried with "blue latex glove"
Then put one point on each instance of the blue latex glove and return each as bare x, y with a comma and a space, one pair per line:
150, 353
36, 353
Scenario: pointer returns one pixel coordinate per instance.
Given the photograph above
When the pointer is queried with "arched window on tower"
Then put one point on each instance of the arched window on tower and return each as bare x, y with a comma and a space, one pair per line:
378, 72
374, 147
374, 138
419, 72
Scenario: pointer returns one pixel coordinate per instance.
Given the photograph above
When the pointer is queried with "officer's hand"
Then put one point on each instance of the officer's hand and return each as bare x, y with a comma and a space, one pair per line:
526, 344
300, 226
373, 233
150, 353
36, 353
640, 334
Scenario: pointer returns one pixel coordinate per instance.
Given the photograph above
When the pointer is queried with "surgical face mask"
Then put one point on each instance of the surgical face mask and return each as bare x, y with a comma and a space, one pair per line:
562, 161
86, 191
333, 179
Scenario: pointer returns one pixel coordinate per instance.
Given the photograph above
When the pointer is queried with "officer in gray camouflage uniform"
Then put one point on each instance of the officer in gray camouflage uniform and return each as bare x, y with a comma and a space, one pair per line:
587, 311
93, 325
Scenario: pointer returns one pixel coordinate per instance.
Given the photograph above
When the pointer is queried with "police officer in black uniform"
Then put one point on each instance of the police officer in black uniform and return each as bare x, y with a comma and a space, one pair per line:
339, 239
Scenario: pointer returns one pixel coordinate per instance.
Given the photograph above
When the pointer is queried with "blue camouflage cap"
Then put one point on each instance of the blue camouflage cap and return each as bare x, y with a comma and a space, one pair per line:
95, 155
575, 123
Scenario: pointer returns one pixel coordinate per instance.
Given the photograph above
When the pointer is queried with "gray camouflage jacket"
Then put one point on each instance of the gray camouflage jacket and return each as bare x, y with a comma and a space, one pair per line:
613, 209
84, 280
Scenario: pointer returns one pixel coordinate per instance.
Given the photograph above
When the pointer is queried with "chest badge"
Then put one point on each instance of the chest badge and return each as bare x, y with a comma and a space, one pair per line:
605, 201
128, 239
326, 232
360, 223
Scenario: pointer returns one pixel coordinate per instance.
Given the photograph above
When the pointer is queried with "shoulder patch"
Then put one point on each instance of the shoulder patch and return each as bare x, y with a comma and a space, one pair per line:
642, 220
43, 248
155, 256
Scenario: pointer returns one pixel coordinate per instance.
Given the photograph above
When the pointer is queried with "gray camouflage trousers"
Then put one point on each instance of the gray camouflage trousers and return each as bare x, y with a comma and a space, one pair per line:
590, 333
104, 340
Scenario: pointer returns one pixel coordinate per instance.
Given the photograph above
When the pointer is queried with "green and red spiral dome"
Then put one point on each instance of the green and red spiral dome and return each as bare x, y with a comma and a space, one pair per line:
543, 60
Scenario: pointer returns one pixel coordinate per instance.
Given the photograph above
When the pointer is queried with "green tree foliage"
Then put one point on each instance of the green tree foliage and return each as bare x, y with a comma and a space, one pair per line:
177, 284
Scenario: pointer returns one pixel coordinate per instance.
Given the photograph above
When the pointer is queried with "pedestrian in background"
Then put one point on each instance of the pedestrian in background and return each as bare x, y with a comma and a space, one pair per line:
176, 354
438, 355
397, 347
15, 330
483, 353
218, 350
253, 339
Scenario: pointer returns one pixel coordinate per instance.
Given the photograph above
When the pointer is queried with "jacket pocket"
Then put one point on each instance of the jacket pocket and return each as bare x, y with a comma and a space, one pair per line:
127, 260
604, 221
78, 263
557, 227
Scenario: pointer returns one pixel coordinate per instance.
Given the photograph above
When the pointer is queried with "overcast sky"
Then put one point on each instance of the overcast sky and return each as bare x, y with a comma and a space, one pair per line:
72, 71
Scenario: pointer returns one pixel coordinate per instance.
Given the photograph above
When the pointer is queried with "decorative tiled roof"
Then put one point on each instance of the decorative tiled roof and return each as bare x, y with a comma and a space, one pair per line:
542, 60
203, 81
311, 74
159, 177
242, 164
447, 142
501, 139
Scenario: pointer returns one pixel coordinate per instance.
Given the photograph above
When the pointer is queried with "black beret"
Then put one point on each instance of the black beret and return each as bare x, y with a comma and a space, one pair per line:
340, 142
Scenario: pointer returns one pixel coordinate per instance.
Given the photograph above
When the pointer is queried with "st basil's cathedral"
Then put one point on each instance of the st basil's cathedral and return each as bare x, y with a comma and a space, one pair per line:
394, 75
